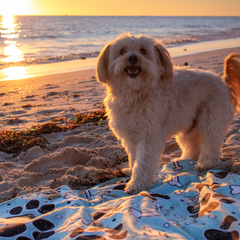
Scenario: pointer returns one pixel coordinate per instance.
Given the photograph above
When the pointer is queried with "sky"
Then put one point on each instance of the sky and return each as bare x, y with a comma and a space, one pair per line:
121, 7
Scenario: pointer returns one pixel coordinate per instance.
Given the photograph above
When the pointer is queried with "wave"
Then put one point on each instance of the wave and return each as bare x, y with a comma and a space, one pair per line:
194, 38
45, 60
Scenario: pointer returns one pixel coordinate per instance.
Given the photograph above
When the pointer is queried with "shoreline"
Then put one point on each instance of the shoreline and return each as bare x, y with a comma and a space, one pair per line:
32, 71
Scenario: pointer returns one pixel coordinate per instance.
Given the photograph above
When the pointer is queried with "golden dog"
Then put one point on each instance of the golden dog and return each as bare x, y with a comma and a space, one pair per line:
148, 102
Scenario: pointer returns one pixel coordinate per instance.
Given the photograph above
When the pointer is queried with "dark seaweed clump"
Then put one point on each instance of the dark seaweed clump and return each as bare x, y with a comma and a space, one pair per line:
12, 141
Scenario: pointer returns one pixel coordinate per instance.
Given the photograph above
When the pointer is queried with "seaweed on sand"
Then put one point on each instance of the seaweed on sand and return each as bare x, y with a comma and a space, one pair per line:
91, 117
14, 142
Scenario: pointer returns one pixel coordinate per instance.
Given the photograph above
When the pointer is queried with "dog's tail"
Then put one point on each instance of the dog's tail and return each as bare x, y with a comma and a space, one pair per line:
232, 77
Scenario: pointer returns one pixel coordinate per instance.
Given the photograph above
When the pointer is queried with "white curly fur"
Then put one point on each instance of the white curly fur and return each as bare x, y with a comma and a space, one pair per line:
148, 109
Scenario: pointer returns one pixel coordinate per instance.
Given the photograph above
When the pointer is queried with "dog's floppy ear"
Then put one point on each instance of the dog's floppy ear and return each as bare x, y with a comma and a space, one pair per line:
102, 65
165, 60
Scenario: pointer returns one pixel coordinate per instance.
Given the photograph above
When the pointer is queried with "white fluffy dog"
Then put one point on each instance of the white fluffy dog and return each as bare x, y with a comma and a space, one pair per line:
148, 102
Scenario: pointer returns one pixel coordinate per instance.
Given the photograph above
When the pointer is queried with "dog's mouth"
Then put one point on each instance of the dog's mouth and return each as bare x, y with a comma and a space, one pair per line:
132, 71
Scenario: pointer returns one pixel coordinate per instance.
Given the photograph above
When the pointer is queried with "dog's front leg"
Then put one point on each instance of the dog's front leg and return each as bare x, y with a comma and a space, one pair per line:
131, 150
148, 151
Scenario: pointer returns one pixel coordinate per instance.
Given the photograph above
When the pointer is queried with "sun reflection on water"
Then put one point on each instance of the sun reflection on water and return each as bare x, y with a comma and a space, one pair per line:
8, 27
13, 53
14, 73
9, 30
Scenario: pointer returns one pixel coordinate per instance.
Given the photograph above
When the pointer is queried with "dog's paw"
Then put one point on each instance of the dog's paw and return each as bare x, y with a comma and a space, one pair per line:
224, 164
130, 191
200, 168
133, 188
130, 188
127, 171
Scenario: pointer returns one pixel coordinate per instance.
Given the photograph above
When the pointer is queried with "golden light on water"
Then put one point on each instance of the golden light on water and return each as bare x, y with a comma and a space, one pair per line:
9, 31
8, 27
12, 51
15, 73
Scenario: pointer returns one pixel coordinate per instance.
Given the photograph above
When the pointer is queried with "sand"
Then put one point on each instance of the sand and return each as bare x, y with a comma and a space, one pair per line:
89, 153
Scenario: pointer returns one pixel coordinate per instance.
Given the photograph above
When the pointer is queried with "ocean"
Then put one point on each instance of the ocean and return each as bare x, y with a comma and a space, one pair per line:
28, 40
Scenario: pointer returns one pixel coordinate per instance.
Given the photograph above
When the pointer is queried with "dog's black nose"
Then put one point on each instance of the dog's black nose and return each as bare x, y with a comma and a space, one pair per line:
133, 59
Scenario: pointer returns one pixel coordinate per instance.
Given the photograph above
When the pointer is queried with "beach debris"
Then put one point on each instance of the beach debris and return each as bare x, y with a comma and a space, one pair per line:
14, 142
8, 104
31, 96
184, 49
47, 113
91, 117
15, 120
52, 94
28, 105
59, 119
186, 64
76, 95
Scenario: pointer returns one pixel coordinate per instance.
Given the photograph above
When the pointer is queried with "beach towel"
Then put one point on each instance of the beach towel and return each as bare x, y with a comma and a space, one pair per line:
181, 205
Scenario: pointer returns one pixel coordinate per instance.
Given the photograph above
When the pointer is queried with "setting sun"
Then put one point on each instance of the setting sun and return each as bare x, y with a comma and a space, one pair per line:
16, 7
121, 8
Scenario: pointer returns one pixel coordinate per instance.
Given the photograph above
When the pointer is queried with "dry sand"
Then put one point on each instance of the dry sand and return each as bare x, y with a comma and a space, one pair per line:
89, 153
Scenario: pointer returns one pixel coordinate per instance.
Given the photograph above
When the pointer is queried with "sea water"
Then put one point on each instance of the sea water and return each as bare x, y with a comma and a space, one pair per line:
28, 40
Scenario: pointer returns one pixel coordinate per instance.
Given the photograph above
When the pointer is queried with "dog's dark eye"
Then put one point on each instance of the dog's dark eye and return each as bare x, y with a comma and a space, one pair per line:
123, 51
142, 51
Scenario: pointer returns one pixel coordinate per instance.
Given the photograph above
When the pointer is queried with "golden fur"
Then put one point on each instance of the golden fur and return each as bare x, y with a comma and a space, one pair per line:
148, 102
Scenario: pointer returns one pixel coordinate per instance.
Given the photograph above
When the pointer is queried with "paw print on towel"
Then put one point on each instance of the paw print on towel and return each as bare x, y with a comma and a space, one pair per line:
139, 214
89, 195
212, 234
235, 189
13, 230
31, 205
175, 182
211, 207
183, 164
212, 202
177, 166
41, 225
227, 222
193, 209
215, 234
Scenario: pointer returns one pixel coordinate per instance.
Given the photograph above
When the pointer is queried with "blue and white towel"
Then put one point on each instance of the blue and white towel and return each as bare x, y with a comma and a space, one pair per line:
181, 205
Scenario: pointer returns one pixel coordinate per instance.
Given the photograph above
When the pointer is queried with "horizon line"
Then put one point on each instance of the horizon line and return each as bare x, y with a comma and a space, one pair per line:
69, 15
